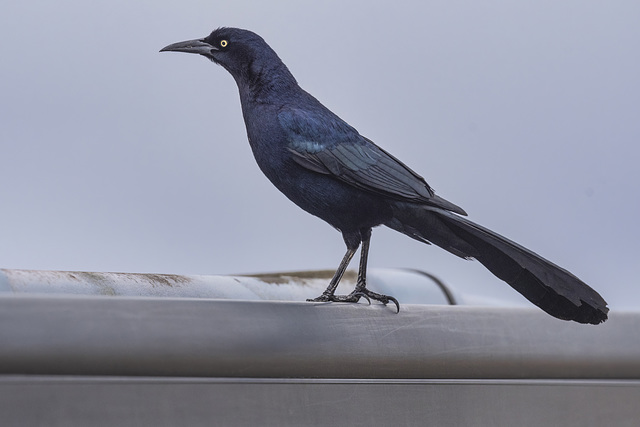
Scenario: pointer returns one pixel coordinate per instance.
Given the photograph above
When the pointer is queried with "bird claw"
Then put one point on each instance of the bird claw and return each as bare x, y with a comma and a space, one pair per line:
355, 296
359, 294
384, 299
352, 297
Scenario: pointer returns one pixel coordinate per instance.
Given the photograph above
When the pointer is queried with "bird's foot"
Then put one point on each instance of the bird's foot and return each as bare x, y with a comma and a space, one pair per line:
326, 297
355, 296
385, 299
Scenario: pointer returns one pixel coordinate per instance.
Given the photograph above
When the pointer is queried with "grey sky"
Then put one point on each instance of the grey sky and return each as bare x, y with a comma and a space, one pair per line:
118, 158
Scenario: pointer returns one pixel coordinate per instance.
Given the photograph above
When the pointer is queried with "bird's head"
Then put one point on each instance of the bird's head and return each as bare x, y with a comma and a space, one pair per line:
243, 53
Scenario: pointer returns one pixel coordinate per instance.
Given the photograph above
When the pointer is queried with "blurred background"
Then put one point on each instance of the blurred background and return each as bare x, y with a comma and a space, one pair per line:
114, 157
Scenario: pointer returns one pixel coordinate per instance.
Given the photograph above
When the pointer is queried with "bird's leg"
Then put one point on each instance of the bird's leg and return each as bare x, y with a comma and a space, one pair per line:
361, 287
360, 290
328, 294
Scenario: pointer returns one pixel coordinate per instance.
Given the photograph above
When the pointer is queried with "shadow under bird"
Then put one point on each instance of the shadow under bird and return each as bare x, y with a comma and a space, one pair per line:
327, 168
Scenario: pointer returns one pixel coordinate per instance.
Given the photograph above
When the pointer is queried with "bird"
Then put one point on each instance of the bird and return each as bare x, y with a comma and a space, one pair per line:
327, 168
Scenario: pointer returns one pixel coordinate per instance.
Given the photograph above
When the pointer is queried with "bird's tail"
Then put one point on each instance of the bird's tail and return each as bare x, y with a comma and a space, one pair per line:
552, 288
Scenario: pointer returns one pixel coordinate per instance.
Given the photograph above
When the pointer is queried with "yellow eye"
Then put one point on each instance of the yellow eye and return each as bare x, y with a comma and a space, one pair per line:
223, 43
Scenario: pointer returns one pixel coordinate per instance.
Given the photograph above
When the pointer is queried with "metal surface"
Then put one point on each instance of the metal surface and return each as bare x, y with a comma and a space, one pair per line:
99, 401
80, 349
408, 285
220, 338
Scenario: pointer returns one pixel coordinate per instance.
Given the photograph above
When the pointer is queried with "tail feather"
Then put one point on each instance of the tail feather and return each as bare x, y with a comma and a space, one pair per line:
550, 287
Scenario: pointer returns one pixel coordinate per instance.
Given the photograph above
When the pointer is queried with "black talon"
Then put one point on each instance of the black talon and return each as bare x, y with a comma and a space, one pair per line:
361, 294
353, 298
384, 299
395, 301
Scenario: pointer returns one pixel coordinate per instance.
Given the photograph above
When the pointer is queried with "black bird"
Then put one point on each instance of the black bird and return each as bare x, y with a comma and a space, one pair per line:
327, 168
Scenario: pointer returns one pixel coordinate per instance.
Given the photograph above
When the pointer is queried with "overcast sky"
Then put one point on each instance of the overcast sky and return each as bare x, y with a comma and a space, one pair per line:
118, 158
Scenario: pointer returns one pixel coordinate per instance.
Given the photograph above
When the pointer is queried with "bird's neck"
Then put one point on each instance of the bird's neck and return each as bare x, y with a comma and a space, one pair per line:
266, 84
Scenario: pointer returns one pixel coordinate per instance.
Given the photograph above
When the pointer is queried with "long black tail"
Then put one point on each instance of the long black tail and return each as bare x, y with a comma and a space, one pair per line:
552, 288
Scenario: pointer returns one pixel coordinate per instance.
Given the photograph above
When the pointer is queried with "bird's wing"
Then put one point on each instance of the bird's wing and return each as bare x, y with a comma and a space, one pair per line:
330, 146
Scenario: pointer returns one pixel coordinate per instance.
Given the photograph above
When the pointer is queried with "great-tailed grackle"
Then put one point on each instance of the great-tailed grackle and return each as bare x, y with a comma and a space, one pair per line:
327, 168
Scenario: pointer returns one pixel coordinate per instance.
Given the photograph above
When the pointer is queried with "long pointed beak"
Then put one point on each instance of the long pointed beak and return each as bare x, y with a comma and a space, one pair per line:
191, 46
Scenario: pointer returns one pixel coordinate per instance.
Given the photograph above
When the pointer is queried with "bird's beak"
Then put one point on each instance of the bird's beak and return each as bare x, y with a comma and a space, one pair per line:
191, 46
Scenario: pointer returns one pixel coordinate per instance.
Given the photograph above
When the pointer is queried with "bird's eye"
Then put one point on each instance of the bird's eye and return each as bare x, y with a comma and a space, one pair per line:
223, 43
